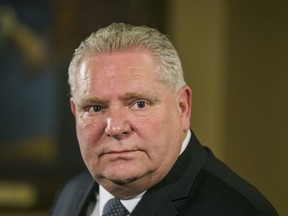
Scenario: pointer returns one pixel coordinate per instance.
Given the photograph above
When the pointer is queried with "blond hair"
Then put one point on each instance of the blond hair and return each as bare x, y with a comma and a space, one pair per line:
120, 37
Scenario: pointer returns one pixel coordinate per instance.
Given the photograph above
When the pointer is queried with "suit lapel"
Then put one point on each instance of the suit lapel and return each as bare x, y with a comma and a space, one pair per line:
180, 179
155, 202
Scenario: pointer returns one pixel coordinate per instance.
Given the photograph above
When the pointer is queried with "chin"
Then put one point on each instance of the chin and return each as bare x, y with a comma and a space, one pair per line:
121, 180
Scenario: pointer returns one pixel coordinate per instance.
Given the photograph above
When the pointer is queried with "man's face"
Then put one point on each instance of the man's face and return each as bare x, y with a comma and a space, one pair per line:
130, 126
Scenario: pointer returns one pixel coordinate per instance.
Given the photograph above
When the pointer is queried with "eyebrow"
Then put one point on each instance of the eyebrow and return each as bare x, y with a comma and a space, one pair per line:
127, 96
141, 94
86, 101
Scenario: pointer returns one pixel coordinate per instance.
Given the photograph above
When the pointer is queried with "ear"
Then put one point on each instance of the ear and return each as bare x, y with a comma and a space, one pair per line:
73, 106
185, 105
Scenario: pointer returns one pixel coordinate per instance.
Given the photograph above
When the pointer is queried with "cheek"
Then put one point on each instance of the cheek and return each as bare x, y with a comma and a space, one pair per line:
163, 122
165, 128
88, 132
160, 133
88, 135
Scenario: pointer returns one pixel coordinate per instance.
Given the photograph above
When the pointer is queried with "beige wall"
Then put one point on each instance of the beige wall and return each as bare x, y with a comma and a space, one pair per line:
198, 33
235, 56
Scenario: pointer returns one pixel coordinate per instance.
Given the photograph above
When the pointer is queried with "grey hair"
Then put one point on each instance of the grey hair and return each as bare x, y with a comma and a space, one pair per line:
121, 37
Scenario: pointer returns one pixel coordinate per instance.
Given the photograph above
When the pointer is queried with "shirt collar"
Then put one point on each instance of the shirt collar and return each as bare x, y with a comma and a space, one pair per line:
105, 196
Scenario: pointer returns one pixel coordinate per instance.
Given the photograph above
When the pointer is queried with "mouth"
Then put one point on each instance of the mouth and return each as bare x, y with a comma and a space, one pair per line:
125, 154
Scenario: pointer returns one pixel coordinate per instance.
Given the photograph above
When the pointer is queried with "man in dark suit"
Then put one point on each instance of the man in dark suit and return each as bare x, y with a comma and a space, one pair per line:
132, 110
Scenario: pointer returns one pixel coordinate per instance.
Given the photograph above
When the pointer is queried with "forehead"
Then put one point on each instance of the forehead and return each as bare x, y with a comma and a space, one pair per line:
118, 63
107, 72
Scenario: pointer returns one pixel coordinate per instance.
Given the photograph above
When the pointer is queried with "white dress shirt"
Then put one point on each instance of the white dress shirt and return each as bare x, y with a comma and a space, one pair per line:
103, 196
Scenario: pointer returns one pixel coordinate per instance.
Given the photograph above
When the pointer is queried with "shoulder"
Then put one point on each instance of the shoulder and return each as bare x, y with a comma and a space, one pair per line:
216, 188
224, 187
74, 194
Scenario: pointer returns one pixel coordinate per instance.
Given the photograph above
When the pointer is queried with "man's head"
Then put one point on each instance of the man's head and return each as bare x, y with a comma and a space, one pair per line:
131, 105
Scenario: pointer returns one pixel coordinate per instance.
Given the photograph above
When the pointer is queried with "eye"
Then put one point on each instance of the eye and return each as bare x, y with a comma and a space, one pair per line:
95, 109
140, 105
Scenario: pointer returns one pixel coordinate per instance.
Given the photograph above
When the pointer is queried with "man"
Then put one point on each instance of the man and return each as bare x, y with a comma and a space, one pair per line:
132, 110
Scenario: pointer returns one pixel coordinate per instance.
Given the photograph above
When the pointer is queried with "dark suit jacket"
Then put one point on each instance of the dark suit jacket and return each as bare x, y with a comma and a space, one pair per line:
198, 184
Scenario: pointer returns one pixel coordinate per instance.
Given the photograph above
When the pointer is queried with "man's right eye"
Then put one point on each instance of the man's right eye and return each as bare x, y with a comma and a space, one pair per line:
95, 109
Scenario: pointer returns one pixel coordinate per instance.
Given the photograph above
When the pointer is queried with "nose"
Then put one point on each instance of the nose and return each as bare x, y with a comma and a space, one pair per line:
117, 125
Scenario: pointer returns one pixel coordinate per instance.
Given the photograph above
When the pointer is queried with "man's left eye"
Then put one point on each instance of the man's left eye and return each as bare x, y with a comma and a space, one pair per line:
140, 105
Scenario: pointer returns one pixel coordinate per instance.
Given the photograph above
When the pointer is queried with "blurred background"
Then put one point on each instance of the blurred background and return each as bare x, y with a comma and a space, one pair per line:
235, 58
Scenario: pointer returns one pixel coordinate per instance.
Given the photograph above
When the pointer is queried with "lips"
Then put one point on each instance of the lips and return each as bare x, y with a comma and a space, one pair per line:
123, 154
120, 151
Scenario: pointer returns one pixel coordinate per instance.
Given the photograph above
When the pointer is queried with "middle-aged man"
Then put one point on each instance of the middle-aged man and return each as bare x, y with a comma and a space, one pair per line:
132, 110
